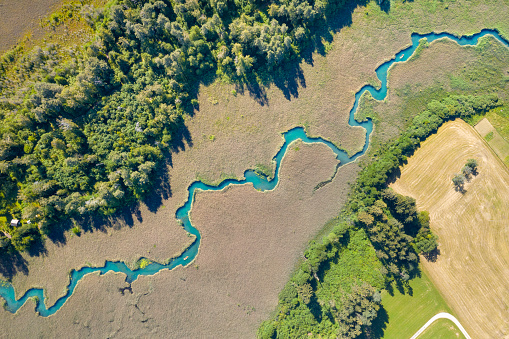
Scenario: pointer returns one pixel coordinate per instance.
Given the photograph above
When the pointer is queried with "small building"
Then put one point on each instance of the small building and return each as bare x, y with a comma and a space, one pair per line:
15, 223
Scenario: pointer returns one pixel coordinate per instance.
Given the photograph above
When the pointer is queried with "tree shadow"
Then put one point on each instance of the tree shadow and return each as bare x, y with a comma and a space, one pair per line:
12, 264
432, 256
180, 137
127, 214
385, 5
460, 188
394, 176
289, 77
315, 308
37, 248
379, 325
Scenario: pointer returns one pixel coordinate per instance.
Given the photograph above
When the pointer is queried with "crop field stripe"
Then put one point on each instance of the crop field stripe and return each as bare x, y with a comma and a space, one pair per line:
473, 266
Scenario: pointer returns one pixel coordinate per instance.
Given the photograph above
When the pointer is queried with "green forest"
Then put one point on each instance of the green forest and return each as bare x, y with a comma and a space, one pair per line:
85, 129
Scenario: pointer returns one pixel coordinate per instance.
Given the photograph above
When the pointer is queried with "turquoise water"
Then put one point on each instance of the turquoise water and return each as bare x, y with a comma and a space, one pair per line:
261, 183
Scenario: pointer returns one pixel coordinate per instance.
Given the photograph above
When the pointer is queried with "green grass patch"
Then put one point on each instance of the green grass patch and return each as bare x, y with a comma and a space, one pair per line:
423, 44
443, 329
142, 263
263, 170
357, 262
488, 137
499, 118
408, 309
474, 119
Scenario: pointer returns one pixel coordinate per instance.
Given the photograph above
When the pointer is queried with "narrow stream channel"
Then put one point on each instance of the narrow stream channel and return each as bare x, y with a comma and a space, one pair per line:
260, 183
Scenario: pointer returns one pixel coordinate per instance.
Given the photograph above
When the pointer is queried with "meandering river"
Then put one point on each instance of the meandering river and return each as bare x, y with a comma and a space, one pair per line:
259, 182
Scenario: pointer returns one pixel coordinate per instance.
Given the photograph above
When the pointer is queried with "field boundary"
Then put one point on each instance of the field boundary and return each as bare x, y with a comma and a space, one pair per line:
496, 143
442, 315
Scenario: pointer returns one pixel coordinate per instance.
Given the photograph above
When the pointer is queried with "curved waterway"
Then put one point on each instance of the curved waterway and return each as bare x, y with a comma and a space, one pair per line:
260, 183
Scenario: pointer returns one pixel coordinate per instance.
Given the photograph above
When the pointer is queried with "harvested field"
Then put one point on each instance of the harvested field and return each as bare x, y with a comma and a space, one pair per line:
472, 269
251, 242
228, 135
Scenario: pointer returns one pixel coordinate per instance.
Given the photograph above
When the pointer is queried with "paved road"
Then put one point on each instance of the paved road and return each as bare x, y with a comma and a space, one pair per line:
442, 315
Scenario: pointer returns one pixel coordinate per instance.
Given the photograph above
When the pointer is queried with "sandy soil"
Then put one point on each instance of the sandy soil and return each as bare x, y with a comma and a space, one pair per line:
472, 269
251, 242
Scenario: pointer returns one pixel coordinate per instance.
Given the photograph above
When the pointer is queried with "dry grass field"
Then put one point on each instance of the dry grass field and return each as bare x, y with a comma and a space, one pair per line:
494, 139
18, 17
251, 243
23, 22
472, 270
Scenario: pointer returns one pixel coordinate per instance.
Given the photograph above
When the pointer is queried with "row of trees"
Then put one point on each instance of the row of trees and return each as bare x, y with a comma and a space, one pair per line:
328, 294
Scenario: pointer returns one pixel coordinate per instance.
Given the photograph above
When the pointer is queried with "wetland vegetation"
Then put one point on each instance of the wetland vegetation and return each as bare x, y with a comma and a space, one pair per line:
86, 130
397, 231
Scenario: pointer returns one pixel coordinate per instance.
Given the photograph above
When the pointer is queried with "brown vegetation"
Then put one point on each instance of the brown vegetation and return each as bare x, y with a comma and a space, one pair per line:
228, 137
18, 17
251, 242
472, 269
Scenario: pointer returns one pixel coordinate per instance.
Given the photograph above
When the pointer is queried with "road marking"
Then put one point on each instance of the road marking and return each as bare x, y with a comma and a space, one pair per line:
442, 315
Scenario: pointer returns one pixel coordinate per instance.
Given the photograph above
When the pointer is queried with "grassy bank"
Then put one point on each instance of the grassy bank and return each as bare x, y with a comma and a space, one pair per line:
442, 328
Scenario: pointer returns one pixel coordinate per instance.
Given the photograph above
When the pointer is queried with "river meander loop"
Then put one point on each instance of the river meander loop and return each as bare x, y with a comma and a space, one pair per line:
259, 183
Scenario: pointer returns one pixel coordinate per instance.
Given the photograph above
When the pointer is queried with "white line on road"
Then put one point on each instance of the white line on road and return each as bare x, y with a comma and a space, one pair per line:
442, 315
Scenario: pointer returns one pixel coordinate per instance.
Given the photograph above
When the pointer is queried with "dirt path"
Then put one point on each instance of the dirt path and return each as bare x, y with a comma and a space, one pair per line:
441, 315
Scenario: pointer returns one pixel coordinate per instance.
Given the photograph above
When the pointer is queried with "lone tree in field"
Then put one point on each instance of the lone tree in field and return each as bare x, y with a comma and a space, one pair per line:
466, 171
458, 180
472, 164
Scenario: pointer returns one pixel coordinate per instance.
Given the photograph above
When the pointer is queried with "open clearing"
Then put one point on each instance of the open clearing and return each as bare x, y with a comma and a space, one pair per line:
493, 138
407, 312
472, 269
